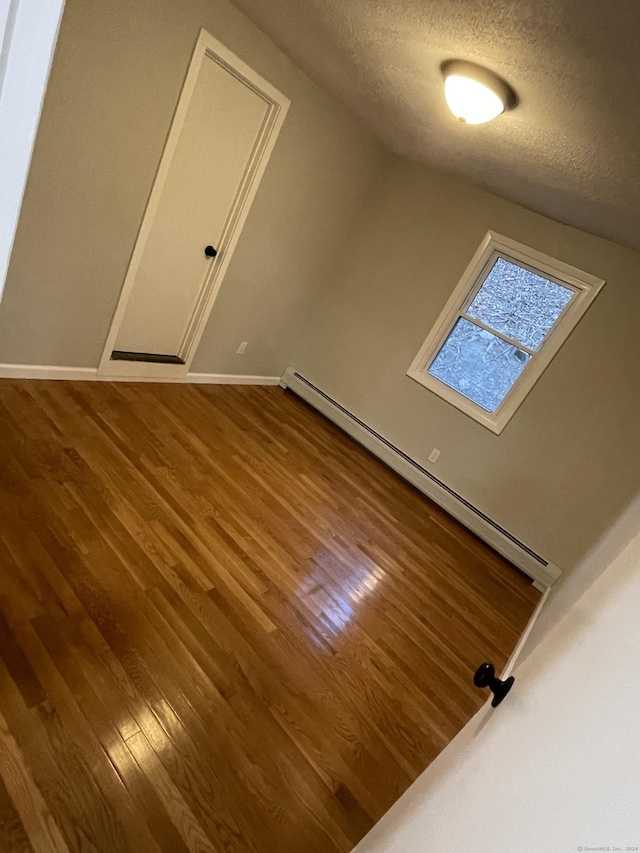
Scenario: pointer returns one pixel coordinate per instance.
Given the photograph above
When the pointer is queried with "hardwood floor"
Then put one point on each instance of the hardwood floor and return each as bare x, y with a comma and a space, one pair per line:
223, 626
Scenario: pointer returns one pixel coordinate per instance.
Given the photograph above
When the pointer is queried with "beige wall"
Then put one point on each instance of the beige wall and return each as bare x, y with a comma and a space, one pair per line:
566, 465
115, 81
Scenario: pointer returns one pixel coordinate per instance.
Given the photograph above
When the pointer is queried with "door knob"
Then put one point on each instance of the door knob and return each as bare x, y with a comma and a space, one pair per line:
486, 677
210, 252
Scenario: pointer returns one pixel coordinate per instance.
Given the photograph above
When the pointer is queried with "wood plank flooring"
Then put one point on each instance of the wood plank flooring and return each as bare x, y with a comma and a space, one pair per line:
223, 626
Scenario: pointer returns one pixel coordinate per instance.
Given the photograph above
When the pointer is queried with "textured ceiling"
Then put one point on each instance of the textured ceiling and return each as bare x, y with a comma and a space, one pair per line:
570, 150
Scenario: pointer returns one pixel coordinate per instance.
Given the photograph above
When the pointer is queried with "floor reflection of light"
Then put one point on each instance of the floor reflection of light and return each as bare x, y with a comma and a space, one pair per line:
333, 596
367, 584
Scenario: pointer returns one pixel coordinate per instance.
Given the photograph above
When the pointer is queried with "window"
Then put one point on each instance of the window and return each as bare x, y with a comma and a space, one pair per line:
508, 317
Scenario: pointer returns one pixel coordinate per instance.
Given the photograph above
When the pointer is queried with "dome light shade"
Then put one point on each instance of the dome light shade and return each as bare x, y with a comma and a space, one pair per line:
470, 101
474, 94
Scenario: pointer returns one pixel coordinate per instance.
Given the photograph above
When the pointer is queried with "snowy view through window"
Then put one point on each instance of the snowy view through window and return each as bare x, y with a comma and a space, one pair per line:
522, 307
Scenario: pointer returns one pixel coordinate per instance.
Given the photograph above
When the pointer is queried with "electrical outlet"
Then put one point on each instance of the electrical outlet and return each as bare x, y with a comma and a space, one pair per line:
242, 347
433, 456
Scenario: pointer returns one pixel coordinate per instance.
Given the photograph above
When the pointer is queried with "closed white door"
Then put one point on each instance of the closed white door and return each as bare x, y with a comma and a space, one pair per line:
208, 173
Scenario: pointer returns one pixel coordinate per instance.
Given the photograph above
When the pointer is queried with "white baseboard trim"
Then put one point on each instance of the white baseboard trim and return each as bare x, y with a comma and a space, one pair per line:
231, 379
543, 573
515, 654
39, 371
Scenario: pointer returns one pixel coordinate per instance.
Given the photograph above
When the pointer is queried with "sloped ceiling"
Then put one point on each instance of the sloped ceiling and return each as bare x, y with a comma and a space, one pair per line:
571, 150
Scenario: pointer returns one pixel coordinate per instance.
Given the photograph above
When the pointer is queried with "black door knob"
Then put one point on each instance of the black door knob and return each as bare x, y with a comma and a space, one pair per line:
210, 252
486, 677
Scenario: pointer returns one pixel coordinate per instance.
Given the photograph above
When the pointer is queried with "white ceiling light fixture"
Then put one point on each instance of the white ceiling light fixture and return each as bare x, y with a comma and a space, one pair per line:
474, 94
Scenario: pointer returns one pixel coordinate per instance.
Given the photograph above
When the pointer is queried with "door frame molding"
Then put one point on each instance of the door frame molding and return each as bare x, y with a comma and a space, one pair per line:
207, 48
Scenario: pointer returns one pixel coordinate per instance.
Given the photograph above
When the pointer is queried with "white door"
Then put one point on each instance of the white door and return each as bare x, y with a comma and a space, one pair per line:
222, 135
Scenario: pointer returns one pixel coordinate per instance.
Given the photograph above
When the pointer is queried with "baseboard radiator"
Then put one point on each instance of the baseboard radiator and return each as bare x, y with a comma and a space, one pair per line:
543, 573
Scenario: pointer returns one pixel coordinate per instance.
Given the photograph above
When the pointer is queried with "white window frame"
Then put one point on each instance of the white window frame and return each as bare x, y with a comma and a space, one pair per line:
586, 287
